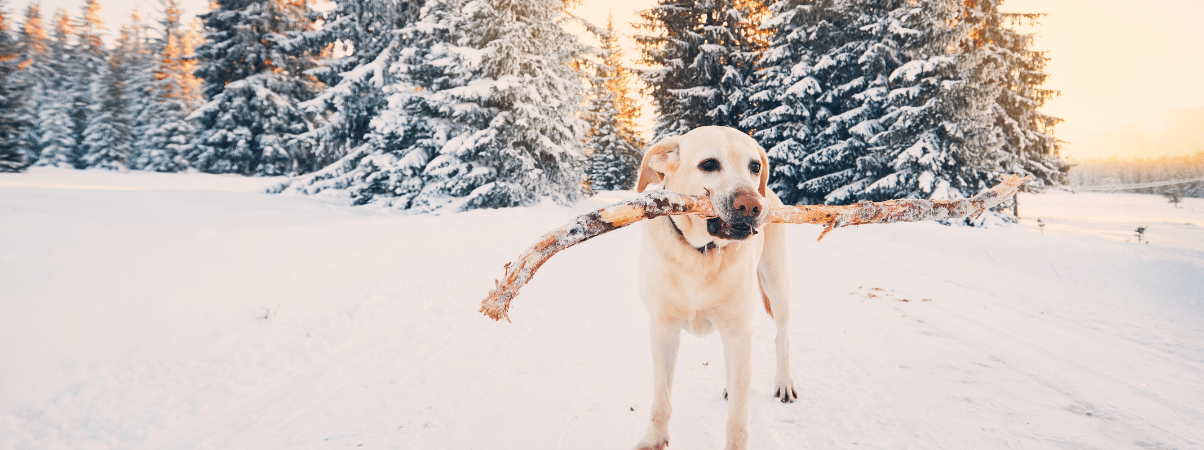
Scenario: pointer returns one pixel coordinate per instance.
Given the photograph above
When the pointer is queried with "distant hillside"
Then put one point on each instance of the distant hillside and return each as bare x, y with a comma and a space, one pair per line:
1116, 172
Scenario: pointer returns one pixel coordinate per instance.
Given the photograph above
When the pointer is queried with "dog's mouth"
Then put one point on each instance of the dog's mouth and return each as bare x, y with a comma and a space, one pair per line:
736, 231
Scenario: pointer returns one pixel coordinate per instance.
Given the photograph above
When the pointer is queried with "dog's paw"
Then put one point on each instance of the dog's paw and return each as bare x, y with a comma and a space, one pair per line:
653, 445
785, 391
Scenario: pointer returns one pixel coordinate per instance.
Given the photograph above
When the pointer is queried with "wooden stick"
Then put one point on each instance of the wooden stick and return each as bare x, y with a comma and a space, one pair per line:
891, 211
663, 203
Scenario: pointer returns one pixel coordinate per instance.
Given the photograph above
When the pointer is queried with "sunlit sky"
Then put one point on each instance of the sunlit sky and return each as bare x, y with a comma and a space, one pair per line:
1125, 68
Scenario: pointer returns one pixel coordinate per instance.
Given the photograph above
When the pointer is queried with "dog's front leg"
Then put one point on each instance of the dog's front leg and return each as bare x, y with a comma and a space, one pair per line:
737, 353
666, 338
774, 275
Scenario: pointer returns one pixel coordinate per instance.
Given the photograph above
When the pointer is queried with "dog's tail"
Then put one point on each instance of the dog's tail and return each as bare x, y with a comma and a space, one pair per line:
764, 296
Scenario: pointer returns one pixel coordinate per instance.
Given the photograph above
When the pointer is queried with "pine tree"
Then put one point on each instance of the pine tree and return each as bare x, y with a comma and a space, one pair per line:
1028, 134
936, 140
134, 61
820, 91
251, 122
368, 33
91, 57
108, 135
191, 85
612, 141
702, 56
523, 142
164, 132
12, 124
31, 79
56, 101
421, 116
876, 99
989, 123
104, 133
531, 146
483, 113
786, 116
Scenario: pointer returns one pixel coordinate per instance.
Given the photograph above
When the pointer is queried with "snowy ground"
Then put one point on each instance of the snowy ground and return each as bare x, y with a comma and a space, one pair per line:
132, 315
1116, 216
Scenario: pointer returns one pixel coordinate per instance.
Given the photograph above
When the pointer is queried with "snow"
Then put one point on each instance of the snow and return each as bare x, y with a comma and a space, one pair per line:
927, 179
134, 317
912, 70
1115, 216
805, 86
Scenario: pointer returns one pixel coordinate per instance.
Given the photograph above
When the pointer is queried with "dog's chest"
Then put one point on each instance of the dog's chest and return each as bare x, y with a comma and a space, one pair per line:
680, 284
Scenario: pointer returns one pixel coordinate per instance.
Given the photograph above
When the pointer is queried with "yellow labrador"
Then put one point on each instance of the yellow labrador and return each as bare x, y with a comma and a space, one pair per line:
701, 275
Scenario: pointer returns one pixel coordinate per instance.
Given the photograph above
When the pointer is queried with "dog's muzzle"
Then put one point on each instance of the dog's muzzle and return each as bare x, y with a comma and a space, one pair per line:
726, 230
739, 217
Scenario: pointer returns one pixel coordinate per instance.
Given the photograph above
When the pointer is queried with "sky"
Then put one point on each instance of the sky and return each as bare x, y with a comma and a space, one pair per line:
1128, 71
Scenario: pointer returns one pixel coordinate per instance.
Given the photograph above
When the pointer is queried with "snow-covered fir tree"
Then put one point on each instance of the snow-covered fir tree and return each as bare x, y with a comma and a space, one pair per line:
34, 63
433, 62
1029, 144
251, 122
365, 33
701, 55
132, 58
876, 99
107, 138
56, 102
102, 144
12, 124
825, 73
612, 142
936, 139
785, 115
483, 113
91, 56
527, 143
163, 132
869, 100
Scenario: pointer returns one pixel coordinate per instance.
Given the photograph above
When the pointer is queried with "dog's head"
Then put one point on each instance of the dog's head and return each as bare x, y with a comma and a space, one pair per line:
720, 162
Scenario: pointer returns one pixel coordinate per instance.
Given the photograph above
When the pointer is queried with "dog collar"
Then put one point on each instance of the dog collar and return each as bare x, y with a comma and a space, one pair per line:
703, 250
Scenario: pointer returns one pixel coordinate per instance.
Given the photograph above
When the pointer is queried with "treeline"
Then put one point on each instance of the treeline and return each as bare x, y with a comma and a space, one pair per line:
458, 104
1117, 172
69, 100
873, 100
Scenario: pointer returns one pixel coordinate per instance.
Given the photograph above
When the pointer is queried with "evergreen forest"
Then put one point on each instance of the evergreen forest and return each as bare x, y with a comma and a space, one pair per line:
449, 105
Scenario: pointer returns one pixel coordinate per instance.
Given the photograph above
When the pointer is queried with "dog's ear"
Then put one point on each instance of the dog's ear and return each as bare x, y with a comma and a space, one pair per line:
764, 173
662, 157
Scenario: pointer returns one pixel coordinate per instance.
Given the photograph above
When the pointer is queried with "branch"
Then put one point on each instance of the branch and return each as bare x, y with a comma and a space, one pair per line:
663, 203
911, 210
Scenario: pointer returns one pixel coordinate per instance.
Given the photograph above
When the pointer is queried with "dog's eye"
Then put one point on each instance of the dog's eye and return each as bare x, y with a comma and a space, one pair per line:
710, 165
754, 167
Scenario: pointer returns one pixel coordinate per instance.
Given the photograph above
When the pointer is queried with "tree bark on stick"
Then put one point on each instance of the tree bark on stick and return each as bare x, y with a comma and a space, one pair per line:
664, 203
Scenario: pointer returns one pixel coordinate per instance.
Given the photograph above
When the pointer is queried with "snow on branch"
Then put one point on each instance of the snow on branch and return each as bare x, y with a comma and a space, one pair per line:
664, 203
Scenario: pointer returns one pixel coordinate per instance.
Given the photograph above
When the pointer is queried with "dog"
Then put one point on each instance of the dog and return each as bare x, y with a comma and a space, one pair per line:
701, 274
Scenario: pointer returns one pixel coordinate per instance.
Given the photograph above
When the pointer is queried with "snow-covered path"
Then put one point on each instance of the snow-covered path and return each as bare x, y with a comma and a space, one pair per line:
134, 304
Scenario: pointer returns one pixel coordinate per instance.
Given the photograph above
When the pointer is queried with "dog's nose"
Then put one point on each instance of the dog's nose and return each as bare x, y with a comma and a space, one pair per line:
747, 205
